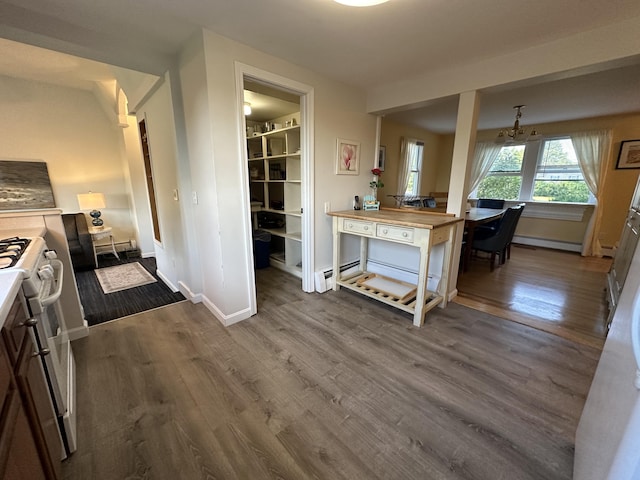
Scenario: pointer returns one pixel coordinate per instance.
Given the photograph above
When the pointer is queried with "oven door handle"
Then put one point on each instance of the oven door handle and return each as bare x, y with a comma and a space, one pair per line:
53, 297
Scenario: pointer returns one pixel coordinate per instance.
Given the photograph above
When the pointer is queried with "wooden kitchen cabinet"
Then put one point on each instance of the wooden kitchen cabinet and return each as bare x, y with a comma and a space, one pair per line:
30, 444
19, 458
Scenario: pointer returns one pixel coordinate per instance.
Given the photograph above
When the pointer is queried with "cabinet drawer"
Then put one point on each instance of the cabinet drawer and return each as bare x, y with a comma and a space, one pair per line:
391, 232
357, 226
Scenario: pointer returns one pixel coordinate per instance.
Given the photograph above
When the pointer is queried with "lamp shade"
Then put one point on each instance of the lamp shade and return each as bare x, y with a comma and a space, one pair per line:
91, 201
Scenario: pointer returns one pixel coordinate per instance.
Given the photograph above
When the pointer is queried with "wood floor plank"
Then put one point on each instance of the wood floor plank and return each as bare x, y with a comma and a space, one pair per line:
554, 291
326, 386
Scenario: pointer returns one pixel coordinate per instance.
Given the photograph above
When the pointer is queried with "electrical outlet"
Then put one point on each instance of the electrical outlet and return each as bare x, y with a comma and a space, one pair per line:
327, 207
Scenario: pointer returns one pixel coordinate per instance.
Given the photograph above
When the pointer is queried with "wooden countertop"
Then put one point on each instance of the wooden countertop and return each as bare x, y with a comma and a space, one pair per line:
395, 217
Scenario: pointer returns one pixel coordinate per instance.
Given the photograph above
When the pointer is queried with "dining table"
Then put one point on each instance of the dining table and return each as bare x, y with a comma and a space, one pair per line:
473, 218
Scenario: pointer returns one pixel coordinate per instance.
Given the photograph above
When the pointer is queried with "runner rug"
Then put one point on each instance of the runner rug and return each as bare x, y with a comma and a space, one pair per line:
123, 277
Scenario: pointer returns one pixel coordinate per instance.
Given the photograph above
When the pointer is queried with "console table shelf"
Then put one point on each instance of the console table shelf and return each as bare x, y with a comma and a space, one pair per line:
409, 305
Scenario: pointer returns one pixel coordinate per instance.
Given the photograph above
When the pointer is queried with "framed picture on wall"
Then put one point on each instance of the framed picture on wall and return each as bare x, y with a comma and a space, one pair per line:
629, 156
347, 157
25, 185
382, 157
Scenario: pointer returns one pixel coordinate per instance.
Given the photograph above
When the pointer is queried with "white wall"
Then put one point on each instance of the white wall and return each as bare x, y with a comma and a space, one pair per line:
199, 142
158, 114
69, 130
207, 74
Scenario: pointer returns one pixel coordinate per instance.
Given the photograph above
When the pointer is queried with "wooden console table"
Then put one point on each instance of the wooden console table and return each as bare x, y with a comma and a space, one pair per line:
416, 229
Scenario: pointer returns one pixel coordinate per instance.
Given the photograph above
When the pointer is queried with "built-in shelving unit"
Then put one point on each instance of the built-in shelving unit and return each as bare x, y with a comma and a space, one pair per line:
276, 196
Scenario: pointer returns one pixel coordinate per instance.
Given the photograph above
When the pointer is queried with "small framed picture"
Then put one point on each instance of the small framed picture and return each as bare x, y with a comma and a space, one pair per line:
629, 156
382, 156
347, 157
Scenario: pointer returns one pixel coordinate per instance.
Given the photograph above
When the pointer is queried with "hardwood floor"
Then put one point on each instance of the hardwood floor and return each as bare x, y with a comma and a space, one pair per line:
326, 386
551, 290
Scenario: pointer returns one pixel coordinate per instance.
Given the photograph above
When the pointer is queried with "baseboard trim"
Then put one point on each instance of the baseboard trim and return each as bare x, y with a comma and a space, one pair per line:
186, 291
609, 252
543, 243
453, 294
79, 332
166, 281
226, 320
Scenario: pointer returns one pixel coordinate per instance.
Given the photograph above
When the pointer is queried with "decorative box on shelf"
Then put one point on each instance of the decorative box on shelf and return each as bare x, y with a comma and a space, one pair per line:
370, 203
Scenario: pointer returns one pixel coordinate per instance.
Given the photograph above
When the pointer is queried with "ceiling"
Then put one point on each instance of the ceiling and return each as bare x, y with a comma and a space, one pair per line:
363, 47
609, 92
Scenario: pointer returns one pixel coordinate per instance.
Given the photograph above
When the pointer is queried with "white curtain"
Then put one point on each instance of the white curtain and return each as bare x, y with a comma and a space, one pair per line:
592, 149
405, 165
484, 156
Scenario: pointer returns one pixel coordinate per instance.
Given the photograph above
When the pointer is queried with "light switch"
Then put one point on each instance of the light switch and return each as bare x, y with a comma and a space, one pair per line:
194, 197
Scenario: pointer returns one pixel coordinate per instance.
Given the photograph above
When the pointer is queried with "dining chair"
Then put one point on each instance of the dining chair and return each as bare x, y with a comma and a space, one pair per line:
441, 198
489, 228
429, 202
497, 245
490, 203
513, 231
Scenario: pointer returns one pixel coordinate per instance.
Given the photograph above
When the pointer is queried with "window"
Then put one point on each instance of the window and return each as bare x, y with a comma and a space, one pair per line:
543, 171
505, 177
413, 164
558, 175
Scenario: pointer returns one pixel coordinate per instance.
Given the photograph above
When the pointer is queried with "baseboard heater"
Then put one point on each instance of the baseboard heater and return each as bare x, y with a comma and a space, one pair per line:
323, 278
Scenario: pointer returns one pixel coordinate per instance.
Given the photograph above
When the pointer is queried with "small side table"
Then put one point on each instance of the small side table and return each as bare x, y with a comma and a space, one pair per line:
100, 249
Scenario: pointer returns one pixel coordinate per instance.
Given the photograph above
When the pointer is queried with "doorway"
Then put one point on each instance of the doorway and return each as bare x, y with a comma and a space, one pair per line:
277, 139
272, 119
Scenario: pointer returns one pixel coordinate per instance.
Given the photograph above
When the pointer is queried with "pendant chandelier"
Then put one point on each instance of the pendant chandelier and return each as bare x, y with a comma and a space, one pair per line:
517, 133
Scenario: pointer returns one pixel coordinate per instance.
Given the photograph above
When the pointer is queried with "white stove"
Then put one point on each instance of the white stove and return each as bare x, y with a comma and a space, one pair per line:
11, 250
42, 279
31, 257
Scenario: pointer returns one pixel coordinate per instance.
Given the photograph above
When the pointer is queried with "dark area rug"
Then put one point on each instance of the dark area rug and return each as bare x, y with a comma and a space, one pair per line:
100, 307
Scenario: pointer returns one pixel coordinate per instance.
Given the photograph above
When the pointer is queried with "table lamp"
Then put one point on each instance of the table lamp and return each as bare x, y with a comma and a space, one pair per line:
92, 201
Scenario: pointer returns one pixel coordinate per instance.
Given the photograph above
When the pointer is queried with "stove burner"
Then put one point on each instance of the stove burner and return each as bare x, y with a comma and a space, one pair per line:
11, 249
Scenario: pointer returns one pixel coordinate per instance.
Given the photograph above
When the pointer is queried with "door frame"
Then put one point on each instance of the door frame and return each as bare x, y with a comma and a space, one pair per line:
306, 94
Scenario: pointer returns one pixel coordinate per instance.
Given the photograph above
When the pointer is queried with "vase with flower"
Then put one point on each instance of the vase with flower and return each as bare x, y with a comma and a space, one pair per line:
376, 183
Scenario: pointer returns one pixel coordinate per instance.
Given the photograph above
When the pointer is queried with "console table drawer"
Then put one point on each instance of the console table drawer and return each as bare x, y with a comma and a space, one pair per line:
391, 232
356, 226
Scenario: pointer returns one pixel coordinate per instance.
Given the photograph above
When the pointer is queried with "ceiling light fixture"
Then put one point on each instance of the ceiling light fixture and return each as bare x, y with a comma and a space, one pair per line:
247, 108
360, 3
517, 132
